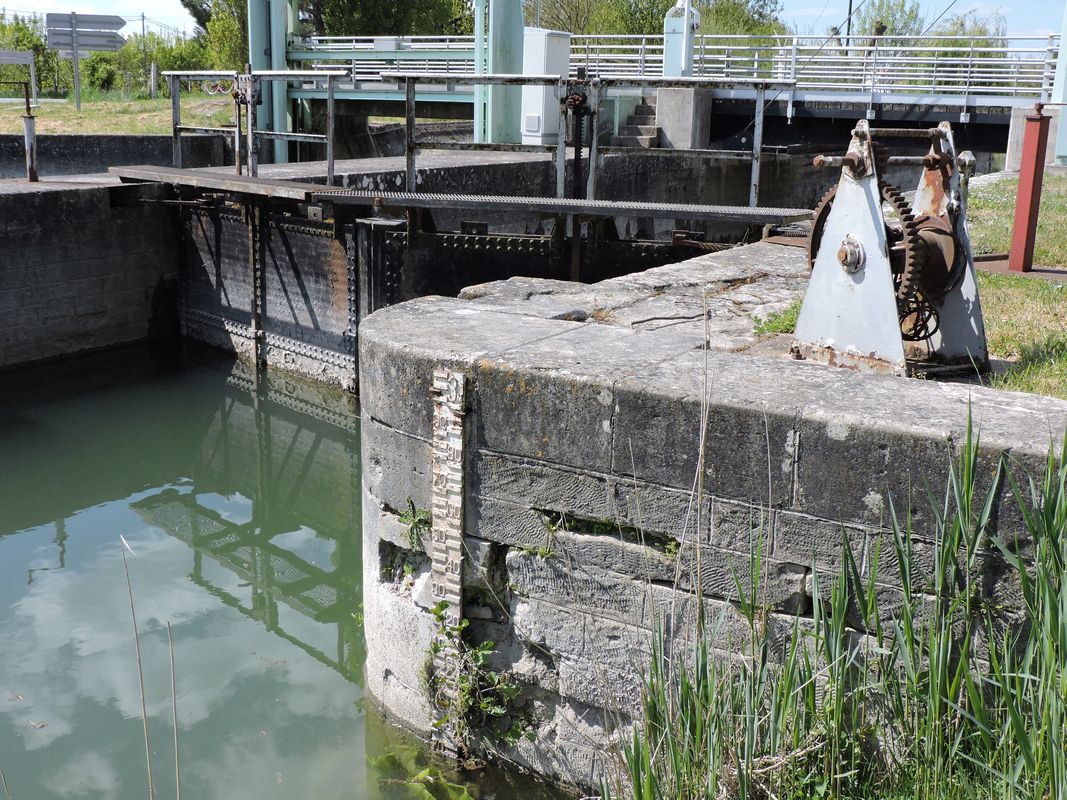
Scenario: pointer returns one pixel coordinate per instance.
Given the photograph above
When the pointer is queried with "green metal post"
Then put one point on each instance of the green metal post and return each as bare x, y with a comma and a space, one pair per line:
480, 92
259, 50
279, 89
505, 56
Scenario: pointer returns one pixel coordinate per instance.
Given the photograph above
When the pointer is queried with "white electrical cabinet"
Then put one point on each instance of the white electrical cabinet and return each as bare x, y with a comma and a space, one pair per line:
544, 52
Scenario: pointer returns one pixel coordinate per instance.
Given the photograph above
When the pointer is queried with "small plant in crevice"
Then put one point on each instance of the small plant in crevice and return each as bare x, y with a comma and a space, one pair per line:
784, 321
419, 522
480, 702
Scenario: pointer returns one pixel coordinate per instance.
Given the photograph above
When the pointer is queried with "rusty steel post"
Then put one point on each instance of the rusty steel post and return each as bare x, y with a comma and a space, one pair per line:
30, 135
1028, 198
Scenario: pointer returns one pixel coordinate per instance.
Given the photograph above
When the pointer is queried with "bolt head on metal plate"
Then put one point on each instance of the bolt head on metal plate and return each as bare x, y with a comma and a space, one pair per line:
851, 255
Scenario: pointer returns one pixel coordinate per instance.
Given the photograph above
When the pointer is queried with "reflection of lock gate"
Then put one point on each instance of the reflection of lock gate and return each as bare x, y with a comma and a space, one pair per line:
882, 280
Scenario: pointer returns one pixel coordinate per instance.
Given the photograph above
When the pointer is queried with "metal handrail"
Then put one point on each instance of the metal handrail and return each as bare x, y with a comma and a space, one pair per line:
1018, 67
245, 93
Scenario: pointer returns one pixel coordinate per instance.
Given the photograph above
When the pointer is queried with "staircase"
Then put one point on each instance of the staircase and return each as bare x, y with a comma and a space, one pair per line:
640, 129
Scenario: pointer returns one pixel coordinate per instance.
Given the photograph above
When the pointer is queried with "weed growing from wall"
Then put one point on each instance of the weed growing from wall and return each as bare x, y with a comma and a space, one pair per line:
482, 703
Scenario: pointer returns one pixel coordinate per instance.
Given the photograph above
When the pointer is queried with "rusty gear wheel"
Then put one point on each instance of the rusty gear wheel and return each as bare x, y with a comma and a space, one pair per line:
818, 222
906, 252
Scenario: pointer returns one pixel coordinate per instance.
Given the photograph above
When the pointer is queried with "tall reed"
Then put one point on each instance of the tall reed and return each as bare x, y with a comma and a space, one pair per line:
918, 684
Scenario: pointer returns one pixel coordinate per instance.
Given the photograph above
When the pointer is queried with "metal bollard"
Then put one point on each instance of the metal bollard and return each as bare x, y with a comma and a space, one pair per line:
1028, 198
29, 131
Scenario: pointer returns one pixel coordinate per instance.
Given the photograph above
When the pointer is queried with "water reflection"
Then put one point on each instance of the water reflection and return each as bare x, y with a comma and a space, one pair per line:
241, 509
241, 504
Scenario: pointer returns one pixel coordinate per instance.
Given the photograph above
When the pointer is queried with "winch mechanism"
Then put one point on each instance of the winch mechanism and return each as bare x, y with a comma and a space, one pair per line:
893, 285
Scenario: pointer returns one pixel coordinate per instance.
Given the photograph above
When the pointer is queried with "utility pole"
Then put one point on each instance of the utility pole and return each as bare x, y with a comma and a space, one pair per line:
848, 26
144, 48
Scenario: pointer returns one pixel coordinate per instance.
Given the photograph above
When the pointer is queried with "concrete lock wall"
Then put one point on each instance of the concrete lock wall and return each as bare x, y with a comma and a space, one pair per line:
79, 154
581, 450
83, 268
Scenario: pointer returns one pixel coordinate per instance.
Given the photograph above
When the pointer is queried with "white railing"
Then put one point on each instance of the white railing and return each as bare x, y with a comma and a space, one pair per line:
1021, 68
616, 56
1018, 67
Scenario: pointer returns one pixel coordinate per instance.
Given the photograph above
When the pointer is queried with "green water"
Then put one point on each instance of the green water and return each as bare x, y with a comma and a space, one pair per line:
240, 509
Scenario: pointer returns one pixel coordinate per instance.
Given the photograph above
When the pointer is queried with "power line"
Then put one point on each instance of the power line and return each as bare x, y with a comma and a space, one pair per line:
810, 58
938, 18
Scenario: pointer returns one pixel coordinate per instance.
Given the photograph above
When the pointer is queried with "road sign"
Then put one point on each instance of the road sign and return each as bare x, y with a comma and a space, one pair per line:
16, 57
95, 22
24, 58
78, 33
106, 41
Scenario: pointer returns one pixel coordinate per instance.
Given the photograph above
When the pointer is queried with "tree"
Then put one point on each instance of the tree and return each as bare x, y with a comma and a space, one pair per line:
973, 24
200, 11
889, 18
631, 17
227, 34
27, 33
575, 16
753, 17
382, 17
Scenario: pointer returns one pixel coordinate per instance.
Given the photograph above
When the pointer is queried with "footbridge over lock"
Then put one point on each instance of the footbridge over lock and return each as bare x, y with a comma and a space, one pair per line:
918, 79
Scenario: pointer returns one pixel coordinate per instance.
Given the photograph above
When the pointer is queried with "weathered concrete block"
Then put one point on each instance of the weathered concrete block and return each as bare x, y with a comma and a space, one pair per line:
505, 523
657, 423
396, 466
395, 372
813, 542
519, 480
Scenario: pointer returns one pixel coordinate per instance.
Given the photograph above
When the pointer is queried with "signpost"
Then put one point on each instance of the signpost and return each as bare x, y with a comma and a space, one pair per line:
83, 33
23, 58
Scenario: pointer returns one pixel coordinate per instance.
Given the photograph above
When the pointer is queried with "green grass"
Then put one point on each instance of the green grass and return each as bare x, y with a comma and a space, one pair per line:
929, 689
991, 216
1026, 322
111, 114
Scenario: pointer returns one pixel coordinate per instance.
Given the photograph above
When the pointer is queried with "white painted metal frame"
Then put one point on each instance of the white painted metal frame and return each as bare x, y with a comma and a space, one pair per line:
852, 317
23, 58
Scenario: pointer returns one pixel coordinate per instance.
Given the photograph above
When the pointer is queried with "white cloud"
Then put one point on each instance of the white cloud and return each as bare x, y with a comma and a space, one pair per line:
69, 640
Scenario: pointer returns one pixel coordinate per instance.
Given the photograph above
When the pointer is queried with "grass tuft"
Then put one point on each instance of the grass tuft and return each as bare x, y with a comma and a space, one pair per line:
784, 321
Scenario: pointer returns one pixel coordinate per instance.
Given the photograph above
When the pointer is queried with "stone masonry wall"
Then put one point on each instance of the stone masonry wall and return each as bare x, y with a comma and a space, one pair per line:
582, 452
83, 268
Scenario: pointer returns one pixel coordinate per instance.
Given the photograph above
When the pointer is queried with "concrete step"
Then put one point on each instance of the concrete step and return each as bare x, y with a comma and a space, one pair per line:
641, 119
645, 108
634, 141
638, 130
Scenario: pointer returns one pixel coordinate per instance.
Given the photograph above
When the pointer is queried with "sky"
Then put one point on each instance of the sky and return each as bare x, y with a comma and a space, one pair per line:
1024, 17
